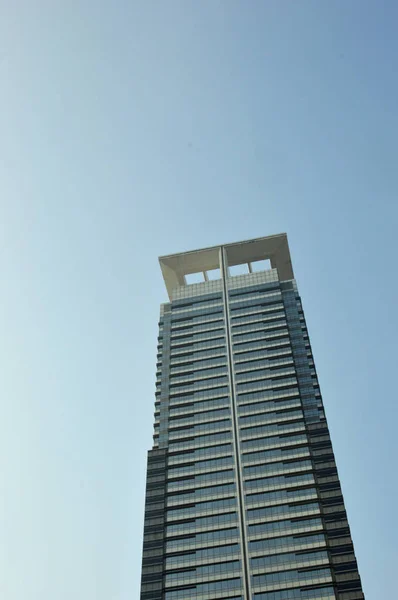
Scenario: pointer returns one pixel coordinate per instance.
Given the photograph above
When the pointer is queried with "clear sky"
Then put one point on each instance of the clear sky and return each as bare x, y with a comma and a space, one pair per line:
131, 129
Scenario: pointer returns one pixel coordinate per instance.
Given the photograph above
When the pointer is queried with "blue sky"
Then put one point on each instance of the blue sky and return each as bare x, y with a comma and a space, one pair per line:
134, 129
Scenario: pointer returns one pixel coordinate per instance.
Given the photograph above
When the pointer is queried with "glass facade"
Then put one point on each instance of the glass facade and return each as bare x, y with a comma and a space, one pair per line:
243, 499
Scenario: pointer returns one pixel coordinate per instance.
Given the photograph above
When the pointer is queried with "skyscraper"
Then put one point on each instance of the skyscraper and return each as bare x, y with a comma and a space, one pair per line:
243, 500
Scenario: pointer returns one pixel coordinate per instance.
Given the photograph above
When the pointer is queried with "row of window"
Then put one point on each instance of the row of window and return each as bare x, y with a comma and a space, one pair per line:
199, 429
262, 334
194, 337
240, 308
236, 319
183, 349
213, 463
190, 354
208, 358
250, 322
200, 405
313, 575
204, 571
205, 589
324, 593
259, 288
199, 299
197, 347
266, 384
201, 440
194, 329
270, 363
264, 395
180, 327
255, 300
267, 406
287, 434
247, 298
264, 472
214, 552
263, 562
188, 386
176, 399
201, 522
203, 538
258, 327
265, 354
217, 422
265, 373
250, 346
280, 526
194, 422
261, 444
196, 306
266, 400
270, 457
281, 498
198, 374
263, 418
266, 332
202, 400
216, 445
200, 316
198, 453
289, 541
203, 416
196, 480
283, 340
276, 482
226, 489
208, 363
200, 507
278, 497
268, 431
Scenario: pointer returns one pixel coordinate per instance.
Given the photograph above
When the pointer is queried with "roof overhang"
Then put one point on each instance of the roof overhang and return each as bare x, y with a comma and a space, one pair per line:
274, 247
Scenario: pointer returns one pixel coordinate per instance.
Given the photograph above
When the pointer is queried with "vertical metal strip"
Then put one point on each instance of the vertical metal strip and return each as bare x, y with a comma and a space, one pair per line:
235, 431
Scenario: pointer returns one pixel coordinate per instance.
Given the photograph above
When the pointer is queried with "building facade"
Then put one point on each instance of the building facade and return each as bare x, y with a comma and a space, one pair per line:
243, 500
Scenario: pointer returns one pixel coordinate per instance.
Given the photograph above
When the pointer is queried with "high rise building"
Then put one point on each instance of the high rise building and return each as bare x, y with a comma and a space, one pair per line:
243, 500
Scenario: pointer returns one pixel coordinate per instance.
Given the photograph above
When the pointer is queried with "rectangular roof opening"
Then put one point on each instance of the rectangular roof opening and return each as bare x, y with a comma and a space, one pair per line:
191, 278
261, 265
213, 274
242, 269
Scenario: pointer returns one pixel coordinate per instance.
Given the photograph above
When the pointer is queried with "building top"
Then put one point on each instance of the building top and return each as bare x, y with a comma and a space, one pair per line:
275, 248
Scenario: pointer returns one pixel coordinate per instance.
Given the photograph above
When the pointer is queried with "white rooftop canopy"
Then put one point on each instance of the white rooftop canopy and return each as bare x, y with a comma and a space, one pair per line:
274, 247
